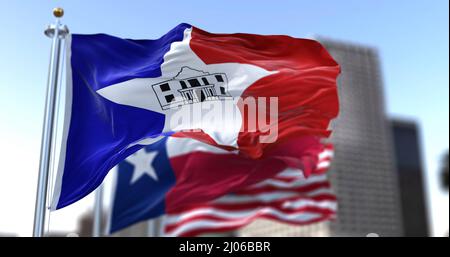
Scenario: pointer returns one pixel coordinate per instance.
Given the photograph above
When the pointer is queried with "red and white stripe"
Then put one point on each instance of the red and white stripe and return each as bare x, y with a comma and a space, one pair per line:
288, 197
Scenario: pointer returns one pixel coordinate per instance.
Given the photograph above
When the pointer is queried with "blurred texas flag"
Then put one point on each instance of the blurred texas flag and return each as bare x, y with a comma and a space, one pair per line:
238, 89
189, 183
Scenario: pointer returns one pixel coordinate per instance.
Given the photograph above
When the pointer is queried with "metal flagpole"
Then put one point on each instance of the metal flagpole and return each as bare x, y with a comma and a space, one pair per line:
57, 32
98, 208
151, 228
161, 223
155, 227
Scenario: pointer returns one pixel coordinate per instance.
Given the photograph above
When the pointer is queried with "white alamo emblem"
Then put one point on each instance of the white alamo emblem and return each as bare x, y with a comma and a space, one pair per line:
191, 86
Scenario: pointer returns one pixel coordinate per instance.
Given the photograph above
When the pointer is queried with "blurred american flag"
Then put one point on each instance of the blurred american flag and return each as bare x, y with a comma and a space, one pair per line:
288, 197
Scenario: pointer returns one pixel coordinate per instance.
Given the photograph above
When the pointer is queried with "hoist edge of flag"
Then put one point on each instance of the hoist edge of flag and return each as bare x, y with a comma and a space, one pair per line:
82, 91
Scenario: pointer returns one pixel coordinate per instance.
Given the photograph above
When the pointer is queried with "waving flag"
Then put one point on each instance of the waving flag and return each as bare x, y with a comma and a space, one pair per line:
288, 197
123, 94
179, 174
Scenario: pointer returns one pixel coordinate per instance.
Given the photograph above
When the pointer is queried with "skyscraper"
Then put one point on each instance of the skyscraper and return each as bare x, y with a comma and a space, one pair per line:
409, 168
363, 172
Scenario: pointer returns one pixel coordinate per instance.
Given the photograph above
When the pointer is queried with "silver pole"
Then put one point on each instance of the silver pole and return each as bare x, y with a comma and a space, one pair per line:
98, 208
151, 228
161, 224
57, 32
155, 227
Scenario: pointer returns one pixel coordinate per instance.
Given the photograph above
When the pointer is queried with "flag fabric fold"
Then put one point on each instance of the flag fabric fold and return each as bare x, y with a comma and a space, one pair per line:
123, 94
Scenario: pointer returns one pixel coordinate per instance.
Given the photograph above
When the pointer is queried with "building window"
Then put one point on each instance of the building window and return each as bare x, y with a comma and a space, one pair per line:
183, 84
169, 98
194, 82
202, 96
205, 81
219, 78
222, 90
164, 87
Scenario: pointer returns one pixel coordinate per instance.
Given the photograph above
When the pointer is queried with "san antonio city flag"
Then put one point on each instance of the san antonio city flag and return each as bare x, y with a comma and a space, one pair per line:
124, 94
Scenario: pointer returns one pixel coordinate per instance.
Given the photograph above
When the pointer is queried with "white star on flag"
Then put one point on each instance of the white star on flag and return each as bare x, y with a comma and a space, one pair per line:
142, 162
139, 93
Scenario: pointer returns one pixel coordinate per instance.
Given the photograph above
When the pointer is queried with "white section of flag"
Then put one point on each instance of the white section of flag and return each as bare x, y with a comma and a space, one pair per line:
225, 130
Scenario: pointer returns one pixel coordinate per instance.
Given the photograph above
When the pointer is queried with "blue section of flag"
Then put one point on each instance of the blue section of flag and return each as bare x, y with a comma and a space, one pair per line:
145, 198
100, 131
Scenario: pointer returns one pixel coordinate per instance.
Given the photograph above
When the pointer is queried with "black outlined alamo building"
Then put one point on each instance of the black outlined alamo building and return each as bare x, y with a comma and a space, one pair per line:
191, 86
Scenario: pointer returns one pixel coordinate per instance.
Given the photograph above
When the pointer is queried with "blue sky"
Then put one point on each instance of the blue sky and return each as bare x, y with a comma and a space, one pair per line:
412, 38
